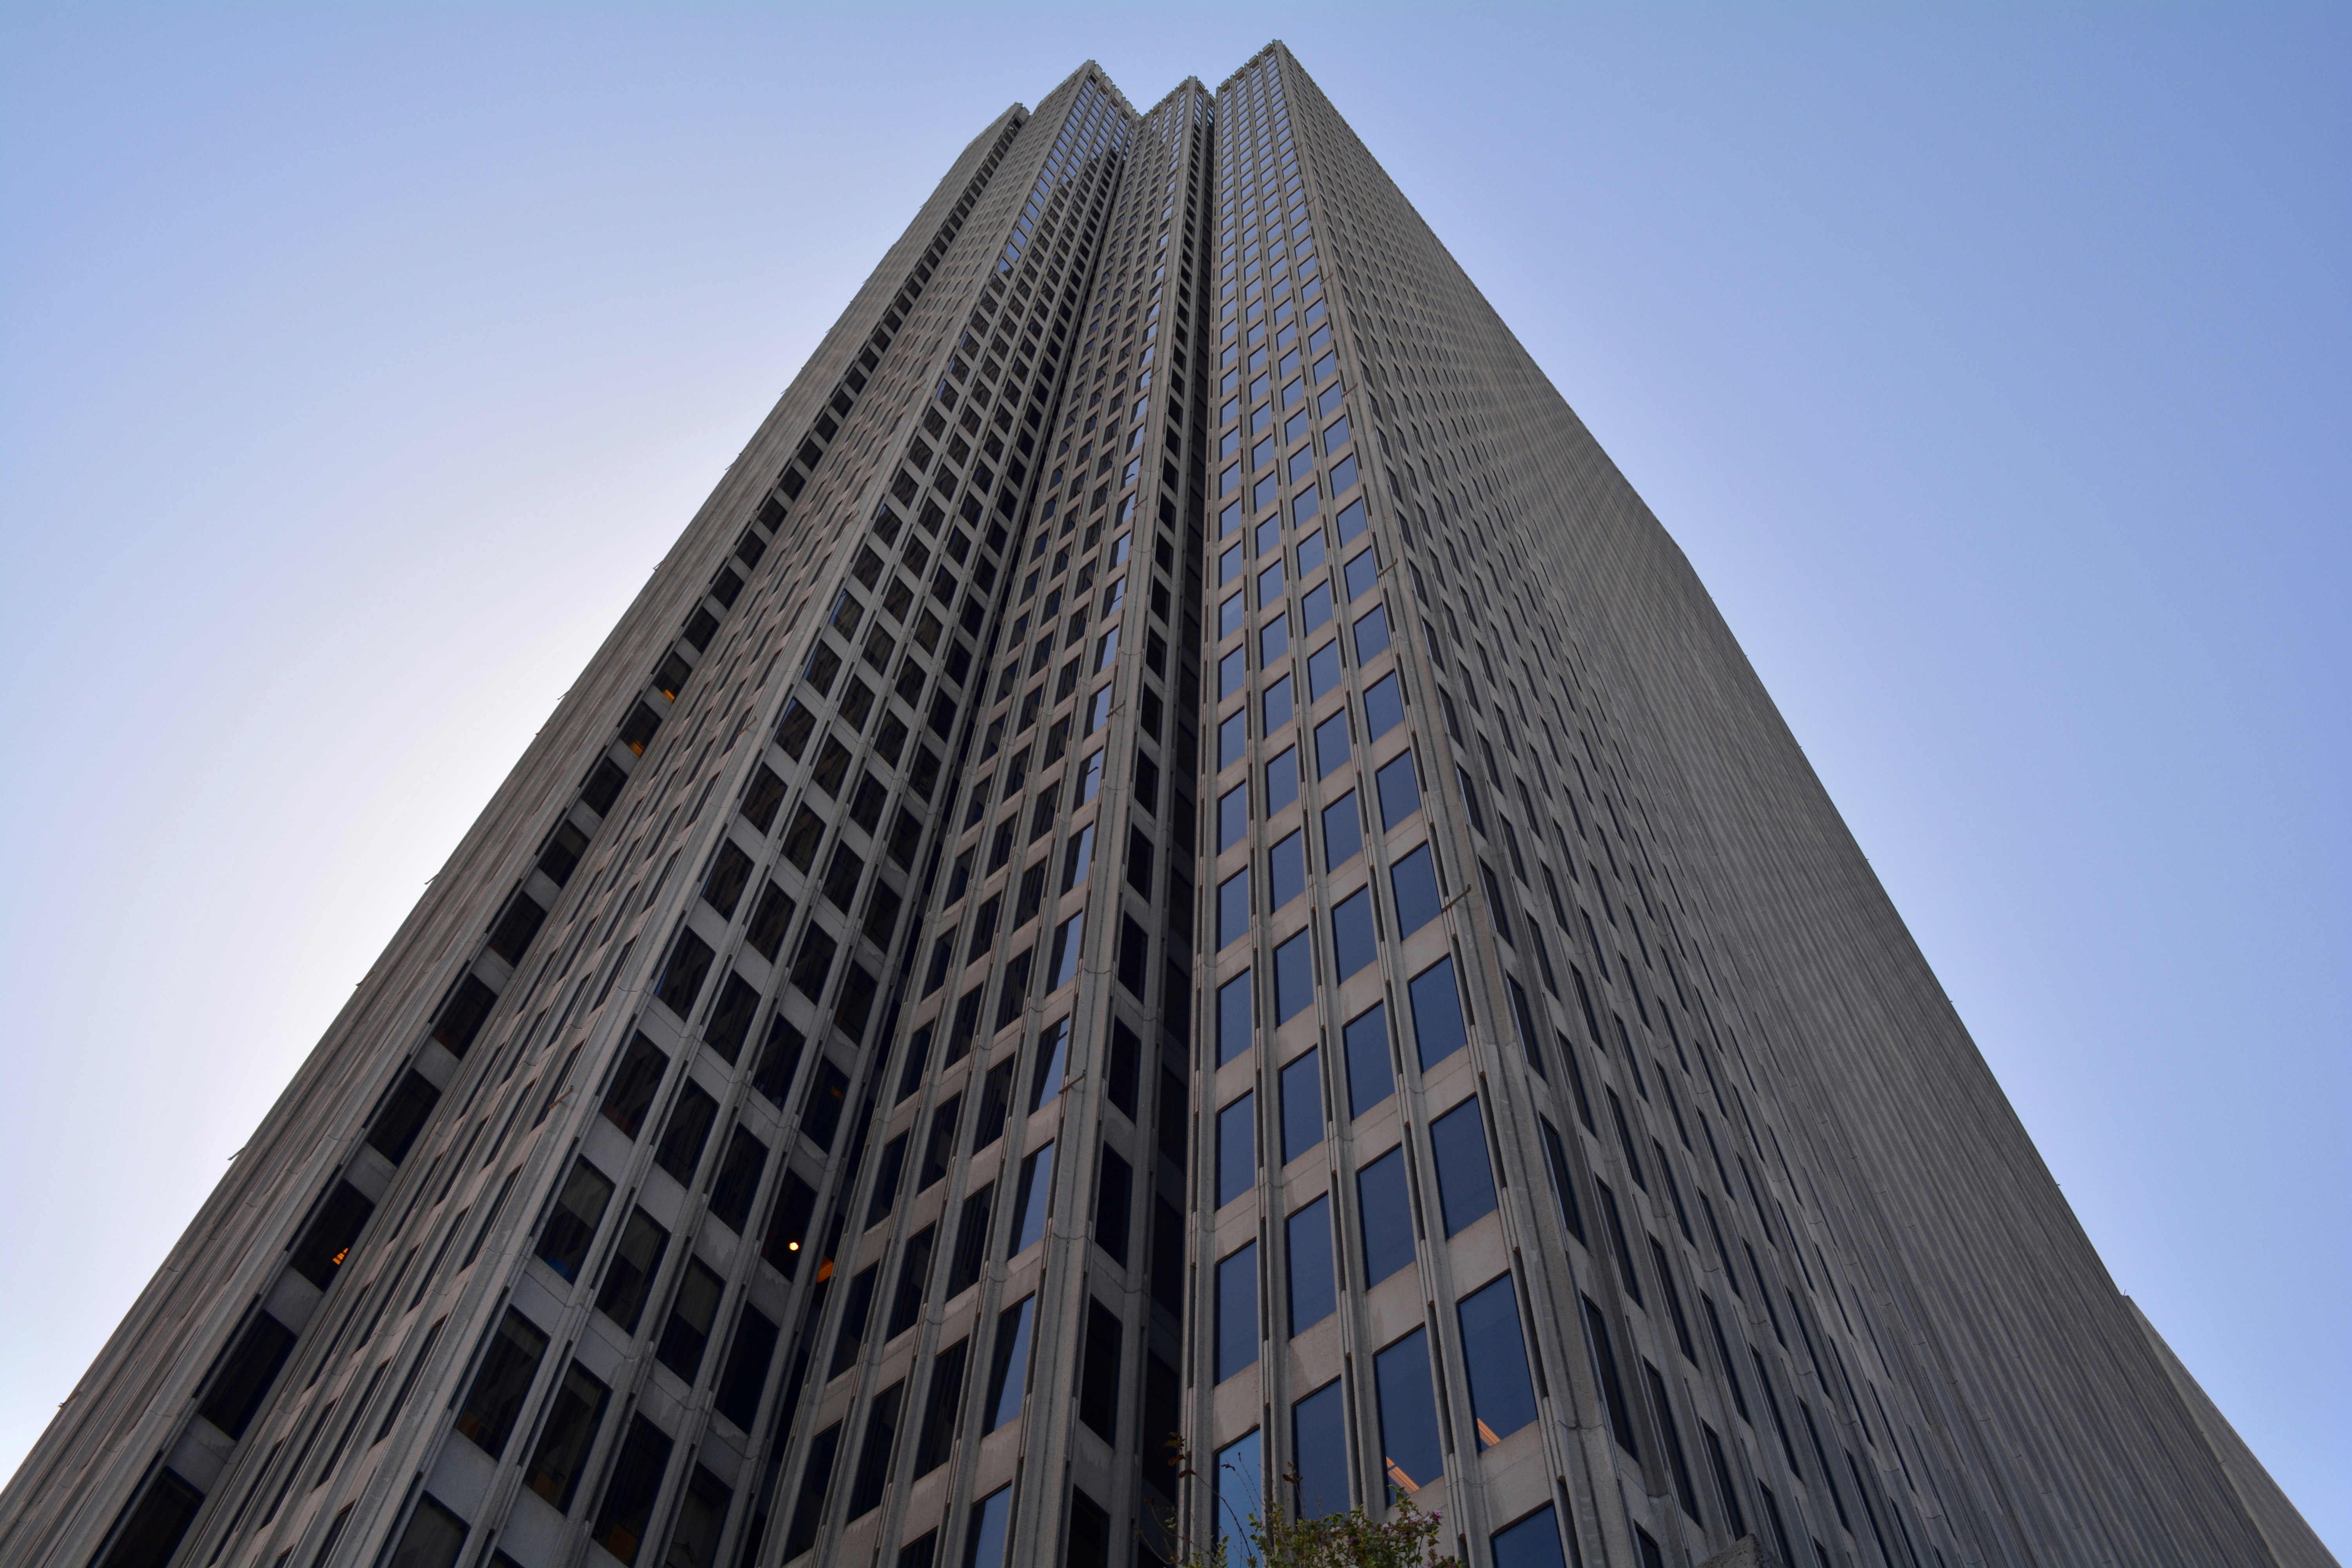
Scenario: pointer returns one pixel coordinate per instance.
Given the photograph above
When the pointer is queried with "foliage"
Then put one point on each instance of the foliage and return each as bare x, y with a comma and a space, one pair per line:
1407, 1539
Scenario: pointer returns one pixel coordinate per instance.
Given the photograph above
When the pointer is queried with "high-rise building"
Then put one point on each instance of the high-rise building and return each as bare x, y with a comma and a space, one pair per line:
1172, 855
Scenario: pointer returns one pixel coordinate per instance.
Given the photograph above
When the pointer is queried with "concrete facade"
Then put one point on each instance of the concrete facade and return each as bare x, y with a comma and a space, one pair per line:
1172, 858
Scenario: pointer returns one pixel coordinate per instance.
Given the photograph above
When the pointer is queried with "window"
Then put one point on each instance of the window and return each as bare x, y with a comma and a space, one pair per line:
1465, 1182
1313, 1293
991, 1530
501, 1384
572, 1219
1237, 1330
1286, 866
1293, 977
1318, 1433
1533, 1543
1411, 1453
737, 1179
941, 1408
1029, 1206
746, 1371
680, 1150
1322, 671
1232, 908
1399, 791
1370, 1079
627, 1510
1386, 1205
692, 1312
1343, 832
1302, 1107
1114, 1200
629, 1272
701, 1516
1331, 744
1008, 1376
1282, 780
1383, 701
1613, 1392
1235, 1003
633, 1086
1494, 1353
1354, 939
566, 1436
1098, 1372
1437, 1013
1237, 1493
1236, 1149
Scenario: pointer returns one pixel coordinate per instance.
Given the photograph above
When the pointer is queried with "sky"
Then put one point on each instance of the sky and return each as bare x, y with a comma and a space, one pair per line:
1992, 363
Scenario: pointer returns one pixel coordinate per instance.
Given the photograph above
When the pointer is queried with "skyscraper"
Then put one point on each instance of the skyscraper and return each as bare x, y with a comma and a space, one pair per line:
1173, 853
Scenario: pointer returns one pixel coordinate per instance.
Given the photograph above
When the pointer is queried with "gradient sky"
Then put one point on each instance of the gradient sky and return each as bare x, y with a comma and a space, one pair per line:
357, 363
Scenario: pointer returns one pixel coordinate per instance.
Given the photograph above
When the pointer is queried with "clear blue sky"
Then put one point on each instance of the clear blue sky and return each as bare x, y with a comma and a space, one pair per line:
357, 363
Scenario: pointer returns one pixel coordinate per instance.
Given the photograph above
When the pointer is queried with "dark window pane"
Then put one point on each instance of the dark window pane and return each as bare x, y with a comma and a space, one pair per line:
1029, 1206
1437, 1013
1233, 1009
701, 1517
1355, 941
1465, 1182
1386, 1205
1400, 792
1410, 1452
746, 1371
1098, 1372
692, 1312
1414, 878
572, 1219
629, 1273
634, 1085
1493, 1352
689, 1127
1314, 1294
1293, 977
1343, 832
565, 1437
1302, 1107
1318, 1446
1236, 1149
1008, 1374
1371, 1077
1533, 1543
1237, 1312
1285, 870
501, 1384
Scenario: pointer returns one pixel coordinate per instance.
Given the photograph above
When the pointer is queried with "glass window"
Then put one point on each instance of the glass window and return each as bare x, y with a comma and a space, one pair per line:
1314, 1292
1533, 1543
565, 1437
1237, 1311
1273, 639
1269, 585
1330, 744
1293, 977
1370, 1079
1318, 1431
1383, 703
1269, 534
1313, 606
1410, 1451
1239, 1495
1233, 907
1233, 816
1009, 1371
1465, 1182
1437, 1013
1399, 791
1281, 781
1372, 634
1386, 1208
1414, 883
1277, 705
1230, 614
571, 1221
1029, 1205
1286, 867
1236, 1149
991, 1529
1302, 1107
1233, 738
1233, 673
1494, 1355
1234, 1009
1311, 550
1343, 832
1323, 672
488, 1417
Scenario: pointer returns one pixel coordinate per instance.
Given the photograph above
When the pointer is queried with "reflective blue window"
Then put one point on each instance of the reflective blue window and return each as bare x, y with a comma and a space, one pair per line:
1314, 1295
1410, 1451
1236, 1149
1370, 1079
1413, 880
1494, 1355
1465, 1182
1437, 1013
1318, 1444
1302, 1107
1237, 1312
1386, 1205
1399, 791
